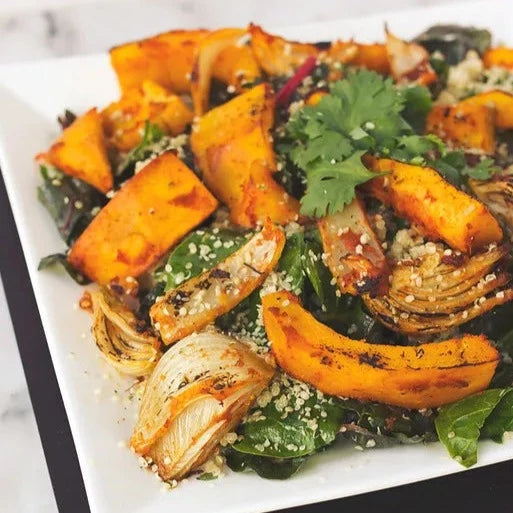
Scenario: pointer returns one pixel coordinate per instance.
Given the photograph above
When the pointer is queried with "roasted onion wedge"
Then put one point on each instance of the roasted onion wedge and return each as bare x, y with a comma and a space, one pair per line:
198, 392
200, 300
116, 333
409, 62
497, 195
440, 291
353, 252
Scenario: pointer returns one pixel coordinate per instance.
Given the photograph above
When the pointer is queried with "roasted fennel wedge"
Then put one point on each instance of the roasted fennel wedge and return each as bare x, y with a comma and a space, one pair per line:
116, 333
441, 291
200, 390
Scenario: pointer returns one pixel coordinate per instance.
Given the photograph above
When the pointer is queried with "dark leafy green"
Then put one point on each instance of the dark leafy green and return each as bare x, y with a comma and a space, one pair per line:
60, 259
291, 261
268, 468
198, 252
500, 420
459, 424
454, 41
69, 201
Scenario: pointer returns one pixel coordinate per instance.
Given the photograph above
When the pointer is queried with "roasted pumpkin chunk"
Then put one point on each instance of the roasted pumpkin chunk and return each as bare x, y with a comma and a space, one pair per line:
443, 290
123, 121
81, 152
501, 101
207, 54
353, 252
200, 300
276, 55
232, 147
464, 125
422, 376
500, 56
440, 210
152, 211
369, 56
166, 58
236, 66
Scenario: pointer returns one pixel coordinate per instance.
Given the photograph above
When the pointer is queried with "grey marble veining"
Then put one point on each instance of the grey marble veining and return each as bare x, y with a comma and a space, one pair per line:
81, 28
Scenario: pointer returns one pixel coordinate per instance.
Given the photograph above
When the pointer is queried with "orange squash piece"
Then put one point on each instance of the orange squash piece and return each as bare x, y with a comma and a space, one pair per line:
148, 215
166, 58
464, 125
81, 152
369, 56
423, 376
123, 121
277, 56
232, 147
207, 54
500, 56
439, 209
199, 301
236, 66
501, 101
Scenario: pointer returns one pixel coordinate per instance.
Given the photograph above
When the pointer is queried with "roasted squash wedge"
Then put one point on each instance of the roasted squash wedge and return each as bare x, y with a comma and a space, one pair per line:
277, 56
152, 211
501, 101
422, 376
166, 58
464, 125
353, 252
236, 66
409, 62
200, 300
123, 121
232, 147
440, 210
500, 56
369, 56
207, 54
81, 152
441, 291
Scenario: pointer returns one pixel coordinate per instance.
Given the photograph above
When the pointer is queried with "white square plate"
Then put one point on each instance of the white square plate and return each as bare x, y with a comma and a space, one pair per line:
31, 95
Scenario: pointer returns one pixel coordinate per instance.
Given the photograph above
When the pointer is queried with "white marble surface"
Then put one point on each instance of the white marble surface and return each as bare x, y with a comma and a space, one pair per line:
36, 29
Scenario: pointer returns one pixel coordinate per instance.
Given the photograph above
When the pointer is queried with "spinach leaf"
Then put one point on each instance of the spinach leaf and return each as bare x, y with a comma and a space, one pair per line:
454, 41
198, 252
459, 424
500, 420
71, 202
417, 104
61, 259
268, 468
291, 261
291, 419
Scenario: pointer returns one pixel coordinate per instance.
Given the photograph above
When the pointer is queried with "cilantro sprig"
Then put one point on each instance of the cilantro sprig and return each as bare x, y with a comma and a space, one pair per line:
364, 113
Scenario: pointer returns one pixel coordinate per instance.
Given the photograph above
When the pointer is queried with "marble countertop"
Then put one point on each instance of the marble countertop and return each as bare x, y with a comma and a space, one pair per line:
38, 29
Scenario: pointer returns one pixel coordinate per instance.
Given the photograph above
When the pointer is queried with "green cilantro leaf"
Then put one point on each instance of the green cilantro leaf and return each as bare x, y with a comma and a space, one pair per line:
332, 186
482, 171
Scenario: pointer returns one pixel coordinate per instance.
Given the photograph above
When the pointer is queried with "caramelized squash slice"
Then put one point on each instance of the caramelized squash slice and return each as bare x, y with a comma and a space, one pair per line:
409, 62
500, 56
501, 101
464, 125
353, 252
81, 152
152, 211
207, 54
123, 121
439, 209
166, 58
369, 56
422, 376
200, 300
277, 56
236, 66
232, 147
